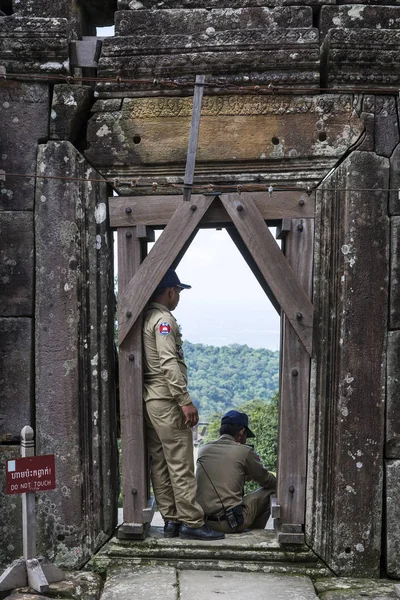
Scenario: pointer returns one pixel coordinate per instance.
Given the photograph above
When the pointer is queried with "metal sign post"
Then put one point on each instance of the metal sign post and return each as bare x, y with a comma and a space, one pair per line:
26, 476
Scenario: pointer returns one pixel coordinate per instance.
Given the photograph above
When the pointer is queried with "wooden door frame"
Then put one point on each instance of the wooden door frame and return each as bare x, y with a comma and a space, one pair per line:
286, 280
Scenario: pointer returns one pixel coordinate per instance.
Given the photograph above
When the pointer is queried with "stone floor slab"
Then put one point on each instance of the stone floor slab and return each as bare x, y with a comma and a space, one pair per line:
210, 585
142, 583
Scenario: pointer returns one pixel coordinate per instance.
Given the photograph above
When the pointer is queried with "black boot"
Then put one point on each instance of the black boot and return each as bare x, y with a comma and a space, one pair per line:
199, 533
171, 529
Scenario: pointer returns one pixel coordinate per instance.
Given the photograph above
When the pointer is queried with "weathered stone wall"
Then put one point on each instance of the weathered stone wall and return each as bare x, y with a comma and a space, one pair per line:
64, 387
56, 305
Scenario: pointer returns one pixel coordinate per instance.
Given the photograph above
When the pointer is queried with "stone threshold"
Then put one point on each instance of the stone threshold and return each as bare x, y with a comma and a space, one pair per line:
253, 551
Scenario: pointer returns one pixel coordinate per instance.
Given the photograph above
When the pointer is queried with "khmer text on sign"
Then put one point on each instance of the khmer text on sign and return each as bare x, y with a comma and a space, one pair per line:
34, 474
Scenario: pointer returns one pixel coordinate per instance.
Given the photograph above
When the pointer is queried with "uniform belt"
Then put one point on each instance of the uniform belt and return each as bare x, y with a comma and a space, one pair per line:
223, 518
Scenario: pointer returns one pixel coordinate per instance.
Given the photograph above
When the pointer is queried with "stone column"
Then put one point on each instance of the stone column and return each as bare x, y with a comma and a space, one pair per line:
75, 385
392, 447
345, 495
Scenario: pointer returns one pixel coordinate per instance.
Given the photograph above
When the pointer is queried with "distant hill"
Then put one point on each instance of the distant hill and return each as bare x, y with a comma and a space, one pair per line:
221, 378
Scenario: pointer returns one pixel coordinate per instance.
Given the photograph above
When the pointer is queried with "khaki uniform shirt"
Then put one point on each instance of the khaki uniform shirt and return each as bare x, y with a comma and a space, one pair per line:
228, 465
165, 371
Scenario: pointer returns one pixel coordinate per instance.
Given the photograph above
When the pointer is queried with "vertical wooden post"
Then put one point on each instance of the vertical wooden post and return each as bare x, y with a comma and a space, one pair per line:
294, 394
28, 500
134, 460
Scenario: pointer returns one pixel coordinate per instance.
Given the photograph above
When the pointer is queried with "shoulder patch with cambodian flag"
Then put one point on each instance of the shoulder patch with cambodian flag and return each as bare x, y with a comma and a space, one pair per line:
164, 329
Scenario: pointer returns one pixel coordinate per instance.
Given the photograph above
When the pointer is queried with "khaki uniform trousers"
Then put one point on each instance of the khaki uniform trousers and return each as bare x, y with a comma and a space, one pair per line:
170, 445
256, 512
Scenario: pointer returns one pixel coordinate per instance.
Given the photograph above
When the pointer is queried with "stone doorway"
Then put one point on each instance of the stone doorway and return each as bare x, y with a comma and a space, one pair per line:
286, 280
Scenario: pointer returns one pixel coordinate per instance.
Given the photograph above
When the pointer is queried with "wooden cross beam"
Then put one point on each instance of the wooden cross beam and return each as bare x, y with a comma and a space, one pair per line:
168, 246
156, 211
272, 264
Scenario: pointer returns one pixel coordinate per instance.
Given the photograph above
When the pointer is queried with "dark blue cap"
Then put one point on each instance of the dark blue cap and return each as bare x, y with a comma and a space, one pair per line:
234, 417
171, 279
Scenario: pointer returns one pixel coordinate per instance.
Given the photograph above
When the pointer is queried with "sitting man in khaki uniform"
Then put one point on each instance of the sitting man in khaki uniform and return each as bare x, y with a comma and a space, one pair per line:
170, 415
223, 467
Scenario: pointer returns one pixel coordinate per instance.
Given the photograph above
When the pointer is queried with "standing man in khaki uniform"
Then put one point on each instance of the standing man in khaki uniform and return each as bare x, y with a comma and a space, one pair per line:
170, 415
223, 467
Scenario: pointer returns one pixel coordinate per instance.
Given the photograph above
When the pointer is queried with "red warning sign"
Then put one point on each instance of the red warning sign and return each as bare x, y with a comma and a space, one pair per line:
31, 474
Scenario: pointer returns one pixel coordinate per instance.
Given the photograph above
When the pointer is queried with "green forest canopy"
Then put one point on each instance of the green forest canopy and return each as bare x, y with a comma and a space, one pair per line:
224, 377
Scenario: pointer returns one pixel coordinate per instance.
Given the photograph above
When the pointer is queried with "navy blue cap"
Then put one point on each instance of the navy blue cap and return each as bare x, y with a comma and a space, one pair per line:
234, 417
171, 279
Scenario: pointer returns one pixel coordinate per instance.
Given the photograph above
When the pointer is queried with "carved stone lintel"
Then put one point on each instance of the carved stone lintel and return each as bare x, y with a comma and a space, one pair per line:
34, 45
260, 133
361, 57
363, 17
135, 5
210, 22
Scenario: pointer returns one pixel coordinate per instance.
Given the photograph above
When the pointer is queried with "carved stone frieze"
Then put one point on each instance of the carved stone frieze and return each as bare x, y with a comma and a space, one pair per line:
363, 16
281, 56
239, 135
137, 5
363, 57
78, 12
34, 45
195, 21
148, 108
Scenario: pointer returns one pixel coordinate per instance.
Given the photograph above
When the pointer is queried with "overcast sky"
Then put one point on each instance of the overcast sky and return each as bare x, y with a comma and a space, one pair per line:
226, 304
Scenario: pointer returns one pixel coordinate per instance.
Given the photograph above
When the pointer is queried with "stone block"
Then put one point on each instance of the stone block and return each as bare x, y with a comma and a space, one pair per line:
75, 358
196, 585
366, 16
34, 45
153, 133
69, 112
393, 396
71, 10
368, 2
347, 412
394, 319
386, 125
16, 378
195, 21
281, 56
394, 194
10, 513
24, 120
137, 5
16, 264
367, 58
96, 13
368, 117
393, 518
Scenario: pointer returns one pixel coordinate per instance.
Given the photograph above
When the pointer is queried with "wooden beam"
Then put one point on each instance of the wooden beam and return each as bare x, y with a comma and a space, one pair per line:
294, 388
193, 137
244, 251
156, 211
179, 229
272, 264
131, 251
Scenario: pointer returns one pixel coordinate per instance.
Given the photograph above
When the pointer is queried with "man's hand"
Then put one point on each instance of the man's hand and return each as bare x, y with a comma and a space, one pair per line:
191, 415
